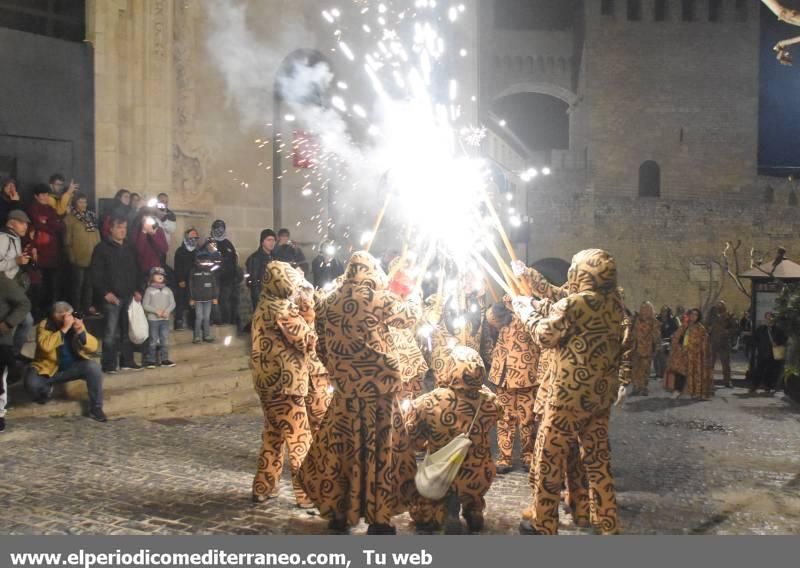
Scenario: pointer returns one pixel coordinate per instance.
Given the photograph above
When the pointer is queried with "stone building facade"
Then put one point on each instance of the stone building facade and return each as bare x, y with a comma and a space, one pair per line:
662, 167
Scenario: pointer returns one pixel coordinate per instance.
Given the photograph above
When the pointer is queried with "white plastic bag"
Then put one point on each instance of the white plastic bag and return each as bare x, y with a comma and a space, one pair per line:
437, 471
138, 328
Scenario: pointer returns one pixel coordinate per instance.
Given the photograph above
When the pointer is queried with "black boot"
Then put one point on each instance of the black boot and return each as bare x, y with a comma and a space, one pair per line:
452, 524
474, 521
337, 525
381, 530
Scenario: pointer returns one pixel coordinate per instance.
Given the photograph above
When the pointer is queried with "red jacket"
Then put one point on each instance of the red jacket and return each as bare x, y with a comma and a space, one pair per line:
48, 230
151, 250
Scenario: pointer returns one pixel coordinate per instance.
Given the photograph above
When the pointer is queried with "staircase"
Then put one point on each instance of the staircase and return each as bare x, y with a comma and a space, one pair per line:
209, 379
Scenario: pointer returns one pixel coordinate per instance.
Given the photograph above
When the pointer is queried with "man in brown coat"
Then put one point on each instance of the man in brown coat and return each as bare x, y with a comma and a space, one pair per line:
282, 345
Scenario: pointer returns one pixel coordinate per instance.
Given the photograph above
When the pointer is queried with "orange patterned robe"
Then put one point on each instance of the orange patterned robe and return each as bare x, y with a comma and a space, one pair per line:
585, 330
282, 345
349, 472
433, 421
699, 373
515, 360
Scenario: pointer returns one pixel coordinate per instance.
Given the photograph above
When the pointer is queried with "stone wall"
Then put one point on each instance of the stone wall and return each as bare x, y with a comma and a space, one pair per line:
684, 94
659, 244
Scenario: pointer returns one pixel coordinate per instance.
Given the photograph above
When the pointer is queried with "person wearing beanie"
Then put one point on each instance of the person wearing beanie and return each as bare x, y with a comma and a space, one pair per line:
257, 263
226, 274
158, 304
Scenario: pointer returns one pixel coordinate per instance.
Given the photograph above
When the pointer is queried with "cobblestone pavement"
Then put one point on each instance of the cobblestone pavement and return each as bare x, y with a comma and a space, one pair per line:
729, 466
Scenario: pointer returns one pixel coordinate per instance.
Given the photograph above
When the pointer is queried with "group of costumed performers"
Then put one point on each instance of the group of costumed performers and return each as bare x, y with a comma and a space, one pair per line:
362, 378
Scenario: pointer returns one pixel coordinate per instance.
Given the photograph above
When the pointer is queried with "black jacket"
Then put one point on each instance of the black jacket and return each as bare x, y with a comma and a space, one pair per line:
326, 272
230, 261
291, 254
764, 343
203, 285
184, 262
255, 267
115, 269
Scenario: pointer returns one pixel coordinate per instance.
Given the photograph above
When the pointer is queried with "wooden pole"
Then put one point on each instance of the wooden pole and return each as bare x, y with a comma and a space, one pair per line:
378, 222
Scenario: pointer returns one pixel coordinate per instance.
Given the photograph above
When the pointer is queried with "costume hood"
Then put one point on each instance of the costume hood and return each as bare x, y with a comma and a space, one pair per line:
364, 270
592, 270
279, 280
465, 369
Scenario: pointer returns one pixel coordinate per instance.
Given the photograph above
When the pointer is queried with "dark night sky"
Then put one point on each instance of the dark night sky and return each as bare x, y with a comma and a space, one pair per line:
780, 96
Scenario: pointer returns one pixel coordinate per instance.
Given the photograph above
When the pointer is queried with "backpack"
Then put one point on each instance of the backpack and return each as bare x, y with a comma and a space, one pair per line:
437, 471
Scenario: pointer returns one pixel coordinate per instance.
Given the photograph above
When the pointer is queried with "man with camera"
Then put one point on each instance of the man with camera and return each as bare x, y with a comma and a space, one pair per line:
63, 354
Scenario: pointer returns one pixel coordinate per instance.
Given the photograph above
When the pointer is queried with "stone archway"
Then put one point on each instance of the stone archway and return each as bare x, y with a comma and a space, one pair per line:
541, 88
554, 269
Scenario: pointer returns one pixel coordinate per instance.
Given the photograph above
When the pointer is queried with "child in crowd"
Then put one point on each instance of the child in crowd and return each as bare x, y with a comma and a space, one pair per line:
158, 304
203, 294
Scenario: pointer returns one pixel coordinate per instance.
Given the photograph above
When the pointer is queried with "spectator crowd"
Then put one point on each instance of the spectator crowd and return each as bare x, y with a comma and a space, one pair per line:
63, 265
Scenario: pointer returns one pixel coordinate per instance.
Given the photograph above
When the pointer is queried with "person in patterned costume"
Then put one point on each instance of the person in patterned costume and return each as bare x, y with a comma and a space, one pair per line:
282, 344
646, 339
319, 392
513, 371
585, 328
349, 472
403, 340
432, 422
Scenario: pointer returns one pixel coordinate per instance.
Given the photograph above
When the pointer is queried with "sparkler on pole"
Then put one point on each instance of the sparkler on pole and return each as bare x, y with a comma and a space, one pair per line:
378, 221
491, 272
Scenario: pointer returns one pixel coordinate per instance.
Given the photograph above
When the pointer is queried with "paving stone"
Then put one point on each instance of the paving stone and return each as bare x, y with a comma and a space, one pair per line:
727, 466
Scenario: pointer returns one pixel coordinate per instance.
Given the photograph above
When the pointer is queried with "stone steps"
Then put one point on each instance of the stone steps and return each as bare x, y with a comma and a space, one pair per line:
210, 379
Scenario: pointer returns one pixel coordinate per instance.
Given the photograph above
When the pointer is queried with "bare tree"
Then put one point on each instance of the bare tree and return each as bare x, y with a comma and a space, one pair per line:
791, 17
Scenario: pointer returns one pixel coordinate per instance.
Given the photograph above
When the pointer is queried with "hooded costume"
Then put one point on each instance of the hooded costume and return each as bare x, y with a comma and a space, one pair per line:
646, 340
404, 342
280, 359
514, 372
434, 420
585, 329
348, 473
319, 394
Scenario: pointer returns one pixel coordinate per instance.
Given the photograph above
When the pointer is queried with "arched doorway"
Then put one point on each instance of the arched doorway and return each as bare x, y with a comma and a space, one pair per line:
540, 121
554, 269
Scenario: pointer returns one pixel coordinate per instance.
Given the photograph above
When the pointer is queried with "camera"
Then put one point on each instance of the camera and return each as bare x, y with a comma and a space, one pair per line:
77, 315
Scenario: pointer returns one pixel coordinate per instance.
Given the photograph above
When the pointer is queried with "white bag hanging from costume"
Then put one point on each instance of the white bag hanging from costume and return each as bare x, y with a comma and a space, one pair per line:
138, 328
437, 471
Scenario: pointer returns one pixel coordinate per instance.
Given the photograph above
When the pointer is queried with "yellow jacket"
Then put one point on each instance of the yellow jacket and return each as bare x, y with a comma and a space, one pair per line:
61, 203
48, 340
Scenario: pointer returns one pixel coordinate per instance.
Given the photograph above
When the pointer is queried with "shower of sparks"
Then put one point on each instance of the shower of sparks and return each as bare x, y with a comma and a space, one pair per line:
412, 135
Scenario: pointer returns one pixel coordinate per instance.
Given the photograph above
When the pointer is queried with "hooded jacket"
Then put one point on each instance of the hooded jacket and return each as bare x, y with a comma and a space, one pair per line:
515, 358
585, 330
282, 339
357, 317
